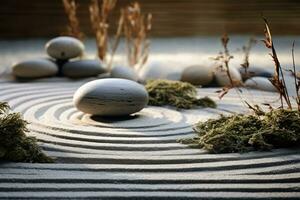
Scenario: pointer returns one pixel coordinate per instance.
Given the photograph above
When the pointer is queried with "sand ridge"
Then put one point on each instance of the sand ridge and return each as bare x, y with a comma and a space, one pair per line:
136, 157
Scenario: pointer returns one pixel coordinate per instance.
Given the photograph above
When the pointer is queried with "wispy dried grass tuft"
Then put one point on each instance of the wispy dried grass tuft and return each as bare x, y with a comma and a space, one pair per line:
99, 20
225, 57
296, 78
116, 40
136, 29
278, 79
247, 49
73, 28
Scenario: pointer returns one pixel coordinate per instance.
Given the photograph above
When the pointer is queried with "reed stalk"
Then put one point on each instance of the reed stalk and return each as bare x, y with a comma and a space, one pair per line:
100, 25
136, 30
278, 79
73, 28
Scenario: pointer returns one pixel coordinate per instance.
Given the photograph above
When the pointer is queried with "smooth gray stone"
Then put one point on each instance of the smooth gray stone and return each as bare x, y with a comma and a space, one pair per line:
36, 68
83, 68
222, 78
124, 73
64, 47
198, 75
111, 97
255, 71
260, 83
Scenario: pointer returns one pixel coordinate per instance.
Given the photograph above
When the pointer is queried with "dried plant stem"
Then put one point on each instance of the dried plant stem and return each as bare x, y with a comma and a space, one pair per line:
73, 27
246, 49
116, 40
227, 57
100, 25
224, 58
278, 79
297, 82
136, 30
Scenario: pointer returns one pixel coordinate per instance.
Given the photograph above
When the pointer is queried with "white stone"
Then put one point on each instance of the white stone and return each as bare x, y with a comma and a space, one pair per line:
36, 68
222, 78
198, 75
64, 48
83, 68
260, 83
111, 97
124, 73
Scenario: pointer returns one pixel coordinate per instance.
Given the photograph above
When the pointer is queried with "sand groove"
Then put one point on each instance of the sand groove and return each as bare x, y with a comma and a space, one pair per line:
137, 156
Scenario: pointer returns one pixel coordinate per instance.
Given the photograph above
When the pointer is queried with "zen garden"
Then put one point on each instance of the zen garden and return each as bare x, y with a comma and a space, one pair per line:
108, 108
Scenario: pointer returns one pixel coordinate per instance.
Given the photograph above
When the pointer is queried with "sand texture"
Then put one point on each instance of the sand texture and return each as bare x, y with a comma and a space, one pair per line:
138, 156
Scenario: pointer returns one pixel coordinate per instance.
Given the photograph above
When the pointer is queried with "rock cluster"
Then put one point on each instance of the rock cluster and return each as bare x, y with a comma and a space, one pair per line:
65, 59
202, 75
208, 75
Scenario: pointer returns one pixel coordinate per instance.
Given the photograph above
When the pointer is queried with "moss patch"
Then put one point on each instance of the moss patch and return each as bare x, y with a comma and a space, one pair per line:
14, 144
175, 93
242, 133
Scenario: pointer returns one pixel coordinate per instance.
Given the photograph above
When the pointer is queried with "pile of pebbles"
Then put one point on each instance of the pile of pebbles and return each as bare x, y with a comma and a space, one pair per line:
65, 59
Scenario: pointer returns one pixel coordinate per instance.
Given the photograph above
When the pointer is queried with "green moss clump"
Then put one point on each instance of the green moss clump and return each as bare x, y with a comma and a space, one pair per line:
175, 93
243, 133
14, 144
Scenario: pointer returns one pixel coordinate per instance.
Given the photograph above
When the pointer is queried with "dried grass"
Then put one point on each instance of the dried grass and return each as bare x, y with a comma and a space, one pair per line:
224, 57
296, 79
242, 133
99, 20
278, 79
73, 28
247, 49
136, 29
116, 40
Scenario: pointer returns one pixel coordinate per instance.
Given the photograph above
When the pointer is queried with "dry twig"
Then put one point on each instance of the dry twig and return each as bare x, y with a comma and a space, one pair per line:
136, 30
278, 79
116, 40
224, 58
297, 81
246, 49
73, 27
99, 20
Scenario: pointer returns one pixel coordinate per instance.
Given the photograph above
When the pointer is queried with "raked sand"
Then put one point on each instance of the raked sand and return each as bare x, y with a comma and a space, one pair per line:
137, 157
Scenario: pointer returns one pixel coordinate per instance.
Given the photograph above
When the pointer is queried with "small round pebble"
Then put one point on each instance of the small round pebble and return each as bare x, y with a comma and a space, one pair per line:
198, 75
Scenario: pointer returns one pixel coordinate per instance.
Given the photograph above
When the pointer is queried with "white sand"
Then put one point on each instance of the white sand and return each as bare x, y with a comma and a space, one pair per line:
139, 156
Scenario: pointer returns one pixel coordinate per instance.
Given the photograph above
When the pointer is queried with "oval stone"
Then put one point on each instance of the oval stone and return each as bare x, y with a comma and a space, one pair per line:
36, 68
64, 47
83, 68
255, 71
222, 78
260, 83
124, 73
198, 75
111, 97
